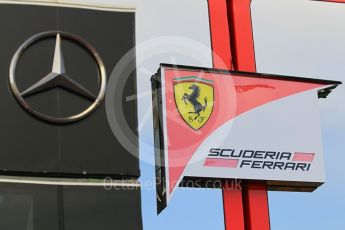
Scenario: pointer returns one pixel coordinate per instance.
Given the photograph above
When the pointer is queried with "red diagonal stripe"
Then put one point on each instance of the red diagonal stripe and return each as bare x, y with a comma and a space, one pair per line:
234, 95
336, 1
303, 156
224, 163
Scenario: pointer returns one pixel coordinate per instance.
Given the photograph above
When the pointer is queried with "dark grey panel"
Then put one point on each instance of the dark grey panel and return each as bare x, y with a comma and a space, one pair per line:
22, 137
100, 28
42, 207
28, 207
96, 208
29, 145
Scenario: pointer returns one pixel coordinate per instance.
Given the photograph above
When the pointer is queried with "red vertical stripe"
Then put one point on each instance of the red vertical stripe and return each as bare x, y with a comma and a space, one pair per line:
233, 208
256, 210
220, 37
256, 207
241, 35
233, 42
222, 59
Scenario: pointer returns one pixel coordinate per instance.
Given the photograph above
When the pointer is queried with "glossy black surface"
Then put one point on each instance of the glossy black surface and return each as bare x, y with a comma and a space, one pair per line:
42, 207
85, 148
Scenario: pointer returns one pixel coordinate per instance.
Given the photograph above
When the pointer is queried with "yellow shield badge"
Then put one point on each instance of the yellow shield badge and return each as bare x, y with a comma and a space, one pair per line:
194, 98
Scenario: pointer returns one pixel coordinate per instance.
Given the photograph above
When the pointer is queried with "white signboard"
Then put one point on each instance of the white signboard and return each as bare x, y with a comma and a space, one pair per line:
214, 124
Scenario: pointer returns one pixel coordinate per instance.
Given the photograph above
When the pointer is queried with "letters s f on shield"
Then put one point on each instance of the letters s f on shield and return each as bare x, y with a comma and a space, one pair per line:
194, 98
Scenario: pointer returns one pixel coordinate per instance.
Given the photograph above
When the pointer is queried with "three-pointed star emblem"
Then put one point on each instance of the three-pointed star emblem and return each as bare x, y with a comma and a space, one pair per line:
58, 77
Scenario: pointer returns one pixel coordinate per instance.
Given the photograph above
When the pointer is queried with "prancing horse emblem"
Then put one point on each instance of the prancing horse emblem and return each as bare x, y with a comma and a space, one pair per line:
194, 99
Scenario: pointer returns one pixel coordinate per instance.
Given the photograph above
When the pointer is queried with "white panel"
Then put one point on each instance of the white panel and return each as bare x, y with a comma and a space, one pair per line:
290, 124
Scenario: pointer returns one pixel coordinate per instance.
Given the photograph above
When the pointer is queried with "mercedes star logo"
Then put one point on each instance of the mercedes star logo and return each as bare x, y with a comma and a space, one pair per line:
58, 77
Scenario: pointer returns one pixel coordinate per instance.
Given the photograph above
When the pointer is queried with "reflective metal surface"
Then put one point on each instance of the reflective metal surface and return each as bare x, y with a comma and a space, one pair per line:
58, 77
106, 182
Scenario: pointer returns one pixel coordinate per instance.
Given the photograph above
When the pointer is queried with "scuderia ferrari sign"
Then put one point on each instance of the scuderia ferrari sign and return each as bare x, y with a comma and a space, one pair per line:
215, 125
